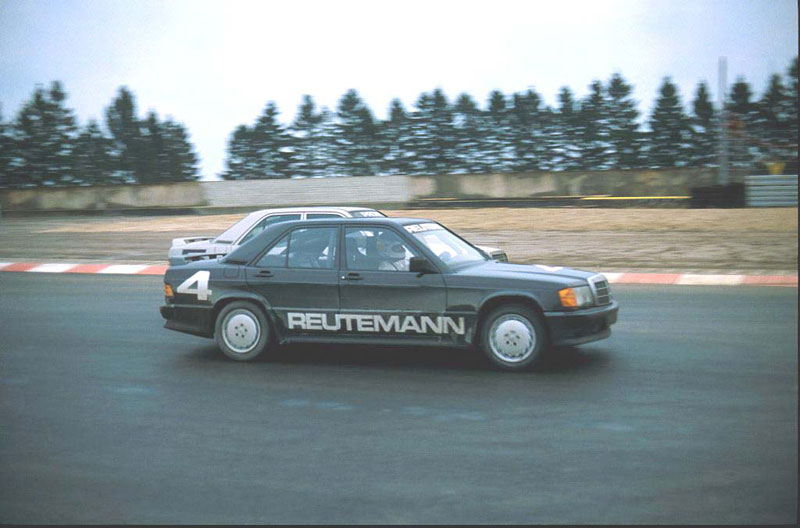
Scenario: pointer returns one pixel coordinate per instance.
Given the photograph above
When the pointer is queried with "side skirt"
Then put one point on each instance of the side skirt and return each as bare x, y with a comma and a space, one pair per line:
377, 341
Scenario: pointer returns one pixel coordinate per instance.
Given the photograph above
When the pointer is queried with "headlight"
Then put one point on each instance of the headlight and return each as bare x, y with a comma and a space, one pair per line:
576, 297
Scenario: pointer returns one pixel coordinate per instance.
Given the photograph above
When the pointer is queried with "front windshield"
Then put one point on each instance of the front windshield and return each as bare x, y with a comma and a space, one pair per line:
448, 247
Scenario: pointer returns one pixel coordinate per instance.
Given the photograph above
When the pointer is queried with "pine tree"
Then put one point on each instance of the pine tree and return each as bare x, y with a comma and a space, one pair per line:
395, 138
669, 137
92, 156
772, 123
307, 132
442, 132
564, 137
64, 134
791, 104
594, 128
356, 141
178, 159
703, 129
125, 130
469, 124
271, 144
6, 154
151, 152
528, 122
623, 129
327, 142
499, 139
422, 142
45, 133
241, 156
742, 119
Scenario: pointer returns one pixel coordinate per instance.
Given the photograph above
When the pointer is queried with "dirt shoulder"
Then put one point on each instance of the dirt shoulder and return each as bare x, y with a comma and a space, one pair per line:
682, 240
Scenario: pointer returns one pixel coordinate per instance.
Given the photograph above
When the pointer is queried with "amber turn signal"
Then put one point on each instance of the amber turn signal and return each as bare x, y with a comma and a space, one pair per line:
567, 297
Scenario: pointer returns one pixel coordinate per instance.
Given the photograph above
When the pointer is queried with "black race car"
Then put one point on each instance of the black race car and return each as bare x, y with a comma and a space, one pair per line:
383, 281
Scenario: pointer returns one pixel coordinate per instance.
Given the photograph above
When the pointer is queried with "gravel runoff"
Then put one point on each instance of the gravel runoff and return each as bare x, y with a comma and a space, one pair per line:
752, 241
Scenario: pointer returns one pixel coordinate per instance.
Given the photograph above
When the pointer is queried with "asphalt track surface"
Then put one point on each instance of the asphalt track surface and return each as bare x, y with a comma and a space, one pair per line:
687, 414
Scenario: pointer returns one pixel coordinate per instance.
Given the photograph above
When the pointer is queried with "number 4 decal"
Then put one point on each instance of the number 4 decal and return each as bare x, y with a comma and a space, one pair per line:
202, 291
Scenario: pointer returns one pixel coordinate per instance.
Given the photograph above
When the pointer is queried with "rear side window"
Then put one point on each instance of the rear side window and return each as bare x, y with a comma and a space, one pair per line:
305, 248
276, 256
313, 247
266, 222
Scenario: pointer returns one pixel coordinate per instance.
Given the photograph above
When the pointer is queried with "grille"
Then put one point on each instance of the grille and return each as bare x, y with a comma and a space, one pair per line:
602, 292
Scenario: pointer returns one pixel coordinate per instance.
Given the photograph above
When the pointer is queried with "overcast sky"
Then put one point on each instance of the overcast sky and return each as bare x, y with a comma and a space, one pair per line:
213, 65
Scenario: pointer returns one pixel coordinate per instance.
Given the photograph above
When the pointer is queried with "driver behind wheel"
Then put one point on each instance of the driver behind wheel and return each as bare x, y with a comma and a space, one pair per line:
392, 253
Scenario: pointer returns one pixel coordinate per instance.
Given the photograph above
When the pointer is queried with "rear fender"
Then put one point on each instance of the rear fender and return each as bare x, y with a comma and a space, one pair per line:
259, 301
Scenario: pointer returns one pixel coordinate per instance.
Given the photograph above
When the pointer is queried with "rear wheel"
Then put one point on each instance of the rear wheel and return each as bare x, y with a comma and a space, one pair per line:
513, 337
241, 331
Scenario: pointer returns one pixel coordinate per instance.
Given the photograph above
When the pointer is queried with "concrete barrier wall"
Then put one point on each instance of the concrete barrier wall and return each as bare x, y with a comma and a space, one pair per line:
104, 197
322, 191
357, 190
676, 182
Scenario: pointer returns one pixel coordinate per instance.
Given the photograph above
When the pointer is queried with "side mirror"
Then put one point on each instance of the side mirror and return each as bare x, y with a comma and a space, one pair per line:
421, 265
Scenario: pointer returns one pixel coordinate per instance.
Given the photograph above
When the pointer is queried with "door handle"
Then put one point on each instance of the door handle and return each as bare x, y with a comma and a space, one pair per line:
352, 276
264, 273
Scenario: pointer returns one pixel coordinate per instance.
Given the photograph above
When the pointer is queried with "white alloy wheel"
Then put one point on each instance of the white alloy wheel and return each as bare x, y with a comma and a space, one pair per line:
241, 330
513, 337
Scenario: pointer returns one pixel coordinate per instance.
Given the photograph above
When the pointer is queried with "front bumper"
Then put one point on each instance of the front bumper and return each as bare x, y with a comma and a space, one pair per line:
195, 320
581, 326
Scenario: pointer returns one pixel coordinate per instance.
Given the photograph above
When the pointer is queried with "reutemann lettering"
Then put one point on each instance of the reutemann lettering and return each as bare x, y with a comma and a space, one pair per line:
376, 323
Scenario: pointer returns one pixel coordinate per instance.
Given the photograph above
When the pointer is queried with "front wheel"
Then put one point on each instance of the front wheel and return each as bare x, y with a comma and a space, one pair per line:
513, 337
241, 331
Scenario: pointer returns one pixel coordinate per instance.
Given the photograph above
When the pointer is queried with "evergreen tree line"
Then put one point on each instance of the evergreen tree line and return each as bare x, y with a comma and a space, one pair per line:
518, 133
513, 133
44, 145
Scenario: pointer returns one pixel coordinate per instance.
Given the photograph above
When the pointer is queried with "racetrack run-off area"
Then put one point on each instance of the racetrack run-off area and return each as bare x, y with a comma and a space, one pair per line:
687, 414
728, 241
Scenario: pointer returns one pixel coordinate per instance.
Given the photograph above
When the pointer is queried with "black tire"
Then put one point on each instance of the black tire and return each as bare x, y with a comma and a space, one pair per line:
518, 345
241, 331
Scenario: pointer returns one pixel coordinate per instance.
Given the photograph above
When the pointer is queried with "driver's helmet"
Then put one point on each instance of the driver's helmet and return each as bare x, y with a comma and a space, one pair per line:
389, 247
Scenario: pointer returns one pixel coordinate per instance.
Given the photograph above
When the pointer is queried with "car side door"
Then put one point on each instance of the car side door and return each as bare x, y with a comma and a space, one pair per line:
298, 274
375, 282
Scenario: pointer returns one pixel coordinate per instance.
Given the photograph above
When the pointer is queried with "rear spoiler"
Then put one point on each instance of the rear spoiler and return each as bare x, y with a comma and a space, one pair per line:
203, 256
189, 240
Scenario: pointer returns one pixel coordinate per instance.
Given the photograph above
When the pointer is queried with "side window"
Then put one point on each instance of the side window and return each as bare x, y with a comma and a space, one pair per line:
266, 222
313, 216
276, 256
313, 247
376, 249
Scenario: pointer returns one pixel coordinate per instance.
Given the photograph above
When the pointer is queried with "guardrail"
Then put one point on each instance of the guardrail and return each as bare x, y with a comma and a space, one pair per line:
771, 190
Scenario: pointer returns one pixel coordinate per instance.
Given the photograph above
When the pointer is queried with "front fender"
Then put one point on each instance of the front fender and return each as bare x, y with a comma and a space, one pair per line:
498, 297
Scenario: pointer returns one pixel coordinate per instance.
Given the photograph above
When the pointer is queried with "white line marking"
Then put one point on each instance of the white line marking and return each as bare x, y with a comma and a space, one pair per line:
124, 269
613, 277
711, 280
4, 264
52, 268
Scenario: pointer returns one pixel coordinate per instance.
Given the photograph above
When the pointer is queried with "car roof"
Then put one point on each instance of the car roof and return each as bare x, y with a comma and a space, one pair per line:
312, 209
247, 251
236, 230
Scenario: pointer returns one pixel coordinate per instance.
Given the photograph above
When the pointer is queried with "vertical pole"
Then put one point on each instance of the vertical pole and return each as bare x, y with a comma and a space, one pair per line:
723, 174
